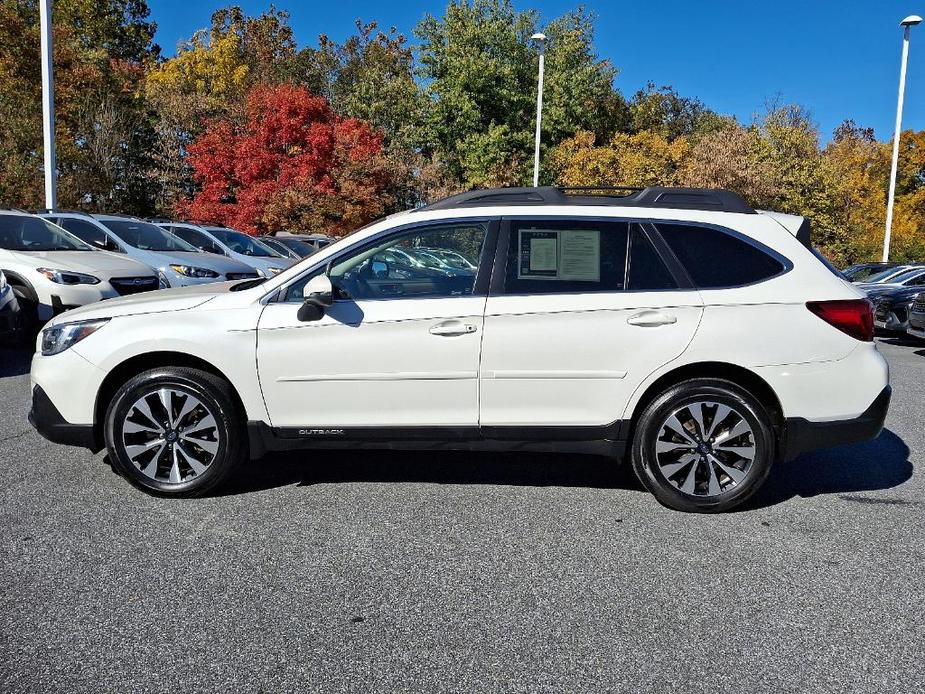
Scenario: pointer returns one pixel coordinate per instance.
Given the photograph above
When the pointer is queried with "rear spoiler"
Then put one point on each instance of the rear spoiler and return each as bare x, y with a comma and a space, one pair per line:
795, 224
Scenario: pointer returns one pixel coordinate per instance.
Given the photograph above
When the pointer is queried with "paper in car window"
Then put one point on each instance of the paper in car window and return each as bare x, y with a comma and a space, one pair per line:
539, 254
580, 256
568, 255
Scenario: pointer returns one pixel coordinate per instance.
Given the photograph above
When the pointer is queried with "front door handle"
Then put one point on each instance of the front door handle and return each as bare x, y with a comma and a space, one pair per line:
651, 319
452, 327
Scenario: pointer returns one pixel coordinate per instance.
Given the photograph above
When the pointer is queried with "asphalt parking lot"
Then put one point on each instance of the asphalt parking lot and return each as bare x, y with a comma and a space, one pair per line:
461, 573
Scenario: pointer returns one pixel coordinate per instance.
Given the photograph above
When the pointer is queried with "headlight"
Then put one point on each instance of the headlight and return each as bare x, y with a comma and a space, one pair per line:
67, 277
60, 337
190, 271
274, 271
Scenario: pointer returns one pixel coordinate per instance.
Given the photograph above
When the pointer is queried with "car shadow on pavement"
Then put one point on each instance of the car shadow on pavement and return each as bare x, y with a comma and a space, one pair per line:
14, 361
876, 465
305, 468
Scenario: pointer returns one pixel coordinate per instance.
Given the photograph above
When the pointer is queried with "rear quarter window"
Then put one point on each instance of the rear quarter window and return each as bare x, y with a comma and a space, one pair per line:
715, 259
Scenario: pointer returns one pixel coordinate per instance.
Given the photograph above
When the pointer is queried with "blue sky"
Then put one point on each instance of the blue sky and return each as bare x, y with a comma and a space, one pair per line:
838, 58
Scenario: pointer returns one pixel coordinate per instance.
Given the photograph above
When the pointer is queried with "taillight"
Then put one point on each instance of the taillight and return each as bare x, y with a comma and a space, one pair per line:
853, 317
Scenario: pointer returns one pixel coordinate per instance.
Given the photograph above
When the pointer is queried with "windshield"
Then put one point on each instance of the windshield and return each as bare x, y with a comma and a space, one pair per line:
242, 243
883, 274
146, 237
907, 275
280, 248
297, 245
22, 233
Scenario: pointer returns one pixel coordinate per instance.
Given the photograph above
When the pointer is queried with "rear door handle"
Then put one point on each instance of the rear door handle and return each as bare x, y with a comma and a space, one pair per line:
651, 319
452, 327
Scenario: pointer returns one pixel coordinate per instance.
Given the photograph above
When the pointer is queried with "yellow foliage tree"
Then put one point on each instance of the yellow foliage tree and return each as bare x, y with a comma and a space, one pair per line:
640, 159
213, 69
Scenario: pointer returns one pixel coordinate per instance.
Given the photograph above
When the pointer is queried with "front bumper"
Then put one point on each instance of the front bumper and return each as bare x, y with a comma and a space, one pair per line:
891, 317
916, 327
802, 435
46, 419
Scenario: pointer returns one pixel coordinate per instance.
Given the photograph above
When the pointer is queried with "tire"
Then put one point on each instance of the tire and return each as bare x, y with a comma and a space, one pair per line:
689, 471
28, 315
195, 449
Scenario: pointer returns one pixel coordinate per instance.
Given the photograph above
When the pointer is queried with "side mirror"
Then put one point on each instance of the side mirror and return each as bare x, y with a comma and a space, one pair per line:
318, 293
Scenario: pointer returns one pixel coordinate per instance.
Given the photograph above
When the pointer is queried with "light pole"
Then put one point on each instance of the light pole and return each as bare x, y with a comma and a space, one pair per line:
907, 25
540, 40
48, 106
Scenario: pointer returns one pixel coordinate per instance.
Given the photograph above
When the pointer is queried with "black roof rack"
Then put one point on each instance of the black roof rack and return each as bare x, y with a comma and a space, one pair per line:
677, 198
60, 210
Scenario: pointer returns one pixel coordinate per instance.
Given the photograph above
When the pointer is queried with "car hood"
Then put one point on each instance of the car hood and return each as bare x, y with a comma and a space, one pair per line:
209, 261
873, 290
177, 299
97, 263
898, 293
265, 263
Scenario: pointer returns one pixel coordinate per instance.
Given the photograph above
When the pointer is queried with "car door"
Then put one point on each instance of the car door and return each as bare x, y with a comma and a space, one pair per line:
398, 348
580, 312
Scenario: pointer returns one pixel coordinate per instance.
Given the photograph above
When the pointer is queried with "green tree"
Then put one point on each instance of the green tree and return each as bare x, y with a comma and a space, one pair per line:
480, 74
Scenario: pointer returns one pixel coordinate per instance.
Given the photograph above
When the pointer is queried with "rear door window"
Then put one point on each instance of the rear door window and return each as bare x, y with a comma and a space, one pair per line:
715, 258
577, 256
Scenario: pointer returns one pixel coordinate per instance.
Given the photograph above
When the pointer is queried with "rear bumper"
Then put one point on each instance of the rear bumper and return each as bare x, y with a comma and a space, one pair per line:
801, 435
46, 419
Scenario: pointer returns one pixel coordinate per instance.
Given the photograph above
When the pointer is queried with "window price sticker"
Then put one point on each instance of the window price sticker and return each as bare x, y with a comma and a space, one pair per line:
567, 255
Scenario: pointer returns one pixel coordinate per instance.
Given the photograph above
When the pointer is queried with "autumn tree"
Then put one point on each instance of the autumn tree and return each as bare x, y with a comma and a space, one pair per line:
637, 160
293, 164
101, 50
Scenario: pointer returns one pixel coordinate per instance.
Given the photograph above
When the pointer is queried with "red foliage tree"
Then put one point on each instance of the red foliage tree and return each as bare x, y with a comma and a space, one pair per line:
294, 164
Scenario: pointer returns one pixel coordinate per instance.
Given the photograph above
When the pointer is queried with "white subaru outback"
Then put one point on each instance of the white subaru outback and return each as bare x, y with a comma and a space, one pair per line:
678, 329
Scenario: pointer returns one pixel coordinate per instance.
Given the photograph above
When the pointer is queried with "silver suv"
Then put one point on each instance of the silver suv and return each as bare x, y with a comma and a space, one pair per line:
177, 263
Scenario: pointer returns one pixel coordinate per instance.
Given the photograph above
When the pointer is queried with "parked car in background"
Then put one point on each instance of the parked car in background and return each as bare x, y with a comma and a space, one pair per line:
913, 277
888, 275
678, 329
10, 325
293, 252
234, 244
863, 271
891, 308
176, 263
51, 271
916, 326
316, 241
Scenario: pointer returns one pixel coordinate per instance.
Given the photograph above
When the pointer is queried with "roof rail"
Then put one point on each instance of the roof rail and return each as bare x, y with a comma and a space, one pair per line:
710, 199
60, 210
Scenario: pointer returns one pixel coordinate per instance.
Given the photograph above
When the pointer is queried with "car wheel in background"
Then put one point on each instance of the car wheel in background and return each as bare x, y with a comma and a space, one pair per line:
175, 431
703, 445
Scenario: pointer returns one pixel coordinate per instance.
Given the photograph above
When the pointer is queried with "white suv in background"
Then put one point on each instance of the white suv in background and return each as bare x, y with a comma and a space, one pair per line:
176, 263
678, 329
52, 271
234, 244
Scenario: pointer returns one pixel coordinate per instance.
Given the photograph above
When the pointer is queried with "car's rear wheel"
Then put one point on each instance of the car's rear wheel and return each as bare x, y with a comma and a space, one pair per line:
175, 431
703, 445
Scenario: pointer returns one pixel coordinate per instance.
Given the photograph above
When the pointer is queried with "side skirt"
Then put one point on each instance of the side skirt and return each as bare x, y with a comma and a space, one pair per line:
603, 440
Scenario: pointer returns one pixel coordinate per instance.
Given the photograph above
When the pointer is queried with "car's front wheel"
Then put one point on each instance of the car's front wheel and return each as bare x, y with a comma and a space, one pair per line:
175, 431
704, 445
